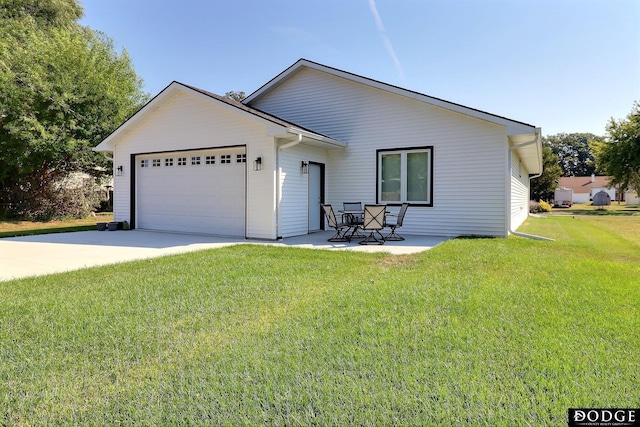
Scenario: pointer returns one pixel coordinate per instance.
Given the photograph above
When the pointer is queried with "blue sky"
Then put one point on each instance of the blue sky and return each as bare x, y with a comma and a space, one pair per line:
563, 65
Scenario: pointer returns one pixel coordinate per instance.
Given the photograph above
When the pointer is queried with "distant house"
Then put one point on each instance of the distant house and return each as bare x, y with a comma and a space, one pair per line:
585, 187
631, 197
193, 161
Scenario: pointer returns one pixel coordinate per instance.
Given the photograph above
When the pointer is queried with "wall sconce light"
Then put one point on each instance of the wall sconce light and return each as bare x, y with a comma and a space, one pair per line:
257, 164
304, 166
119, 171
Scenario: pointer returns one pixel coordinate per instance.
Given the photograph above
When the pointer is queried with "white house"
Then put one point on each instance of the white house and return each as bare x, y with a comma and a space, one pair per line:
585, 187
631, 197
192, 161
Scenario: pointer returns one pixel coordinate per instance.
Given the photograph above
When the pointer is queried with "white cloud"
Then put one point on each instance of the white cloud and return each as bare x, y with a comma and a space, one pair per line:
387, 41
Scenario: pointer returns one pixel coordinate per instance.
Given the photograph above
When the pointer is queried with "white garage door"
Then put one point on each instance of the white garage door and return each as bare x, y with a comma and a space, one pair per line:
194, 191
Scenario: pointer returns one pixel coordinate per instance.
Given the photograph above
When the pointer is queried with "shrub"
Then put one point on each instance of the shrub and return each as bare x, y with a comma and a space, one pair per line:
537, 207
75, 196
544, 206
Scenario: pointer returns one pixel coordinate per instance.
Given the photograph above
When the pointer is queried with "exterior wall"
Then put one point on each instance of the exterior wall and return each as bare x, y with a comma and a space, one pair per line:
294, 187
519, 192
632, 198
581, 197
470, 155
187, 121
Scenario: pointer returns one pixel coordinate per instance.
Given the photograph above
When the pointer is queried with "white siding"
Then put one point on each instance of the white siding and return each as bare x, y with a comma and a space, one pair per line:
470, 155
294, 209
581, 197
519, 192
188, 121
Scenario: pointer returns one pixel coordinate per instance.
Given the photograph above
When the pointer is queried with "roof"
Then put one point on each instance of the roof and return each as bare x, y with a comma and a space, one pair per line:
524, 138
583, 184
284, 128
302, 63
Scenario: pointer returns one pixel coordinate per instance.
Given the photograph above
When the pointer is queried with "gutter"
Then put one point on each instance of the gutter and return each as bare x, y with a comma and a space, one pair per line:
509, 229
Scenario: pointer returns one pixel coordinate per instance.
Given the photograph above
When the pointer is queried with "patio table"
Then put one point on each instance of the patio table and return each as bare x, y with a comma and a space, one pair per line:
358, 226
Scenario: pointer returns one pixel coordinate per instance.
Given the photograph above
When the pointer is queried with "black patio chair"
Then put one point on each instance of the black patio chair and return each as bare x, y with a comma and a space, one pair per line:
341, 227
373, 222
393, 236
353, 219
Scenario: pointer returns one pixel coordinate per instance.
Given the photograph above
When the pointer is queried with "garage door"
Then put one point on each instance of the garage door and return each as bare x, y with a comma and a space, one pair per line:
193, 191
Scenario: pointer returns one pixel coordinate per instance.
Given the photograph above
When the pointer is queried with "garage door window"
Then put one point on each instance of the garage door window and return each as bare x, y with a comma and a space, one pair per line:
195, 160
168, 162
210, 160
225, 158
144, 163
182, 161
156, 163
241, 158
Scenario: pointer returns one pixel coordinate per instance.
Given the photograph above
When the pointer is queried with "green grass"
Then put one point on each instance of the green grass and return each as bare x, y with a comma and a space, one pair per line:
494, 332
588, 209
17, 228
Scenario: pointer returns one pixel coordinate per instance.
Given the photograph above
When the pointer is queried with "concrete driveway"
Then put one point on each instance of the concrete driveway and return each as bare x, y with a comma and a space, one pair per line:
55, 253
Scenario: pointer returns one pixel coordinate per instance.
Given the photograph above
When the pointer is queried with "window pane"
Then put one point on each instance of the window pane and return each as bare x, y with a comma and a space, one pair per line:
391, 169
418, 177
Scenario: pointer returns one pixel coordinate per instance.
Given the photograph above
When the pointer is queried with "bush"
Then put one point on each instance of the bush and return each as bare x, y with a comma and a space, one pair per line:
538, 207
544, 206
75, 196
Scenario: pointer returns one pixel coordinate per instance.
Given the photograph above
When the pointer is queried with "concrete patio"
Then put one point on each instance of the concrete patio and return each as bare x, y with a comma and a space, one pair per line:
55, 253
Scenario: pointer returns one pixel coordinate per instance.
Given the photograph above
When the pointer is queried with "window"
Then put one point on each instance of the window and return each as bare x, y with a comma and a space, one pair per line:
195, 160
405, 175
144, 163
182, 161
225, 158
156, 163
168, 162
210, 160
241, 158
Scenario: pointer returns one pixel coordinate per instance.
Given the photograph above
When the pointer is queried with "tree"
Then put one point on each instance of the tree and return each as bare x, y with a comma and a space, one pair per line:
238, 96
63, 88
544, 186
619, 155
574, 152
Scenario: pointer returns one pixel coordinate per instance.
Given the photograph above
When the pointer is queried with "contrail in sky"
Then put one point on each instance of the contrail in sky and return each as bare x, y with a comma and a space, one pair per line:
387, 42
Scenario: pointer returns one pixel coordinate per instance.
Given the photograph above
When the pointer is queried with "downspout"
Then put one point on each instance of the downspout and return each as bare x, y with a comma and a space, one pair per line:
297, 141
511, 149
292, 143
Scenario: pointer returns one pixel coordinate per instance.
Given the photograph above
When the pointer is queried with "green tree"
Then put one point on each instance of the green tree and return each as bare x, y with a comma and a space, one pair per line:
574, 152
619, 155
63, 88
543, 187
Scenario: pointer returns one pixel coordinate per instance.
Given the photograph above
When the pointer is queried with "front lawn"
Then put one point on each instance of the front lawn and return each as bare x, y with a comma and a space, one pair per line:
493, 332
13, 228
615, 208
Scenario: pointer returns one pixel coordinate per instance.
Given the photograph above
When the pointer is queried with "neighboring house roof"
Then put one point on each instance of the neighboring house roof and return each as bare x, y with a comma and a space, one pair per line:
583, 184
282, 128
526, 137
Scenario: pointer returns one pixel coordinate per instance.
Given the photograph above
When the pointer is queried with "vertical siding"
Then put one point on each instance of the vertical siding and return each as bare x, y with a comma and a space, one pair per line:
519, 192
469, 154
294, 185
187, 122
